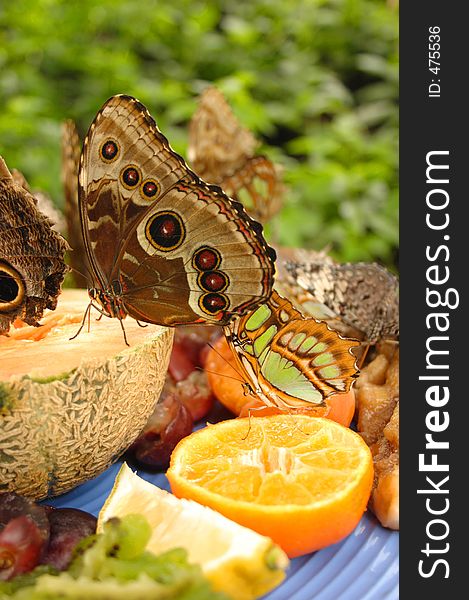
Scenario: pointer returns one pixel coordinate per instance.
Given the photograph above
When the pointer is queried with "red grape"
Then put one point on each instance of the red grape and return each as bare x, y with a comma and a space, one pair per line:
21, 543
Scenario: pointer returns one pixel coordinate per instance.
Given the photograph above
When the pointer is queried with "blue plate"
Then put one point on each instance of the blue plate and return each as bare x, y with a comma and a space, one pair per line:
364, 566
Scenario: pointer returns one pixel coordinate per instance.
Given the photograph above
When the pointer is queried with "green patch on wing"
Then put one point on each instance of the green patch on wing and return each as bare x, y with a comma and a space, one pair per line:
284, 375
258, 318
261, 342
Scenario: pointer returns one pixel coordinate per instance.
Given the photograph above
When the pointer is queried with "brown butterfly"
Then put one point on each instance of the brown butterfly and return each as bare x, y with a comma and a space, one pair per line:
32, 265
290, 361
71, 148
364, 295
164, 247
44, 202
258, 187
218, 144
222, 152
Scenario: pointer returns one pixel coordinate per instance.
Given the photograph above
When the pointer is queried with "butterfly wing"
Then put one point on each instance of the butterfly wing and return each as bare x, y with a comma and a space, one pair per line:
364, 295
291, 361
32, 265
258, 187
218, 144
71, 148
196, 257
174, 249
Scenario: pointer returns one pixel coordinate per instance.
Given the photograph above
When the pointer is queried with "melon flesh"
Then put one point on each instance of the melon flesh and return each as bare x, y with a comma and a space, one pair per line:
70, 408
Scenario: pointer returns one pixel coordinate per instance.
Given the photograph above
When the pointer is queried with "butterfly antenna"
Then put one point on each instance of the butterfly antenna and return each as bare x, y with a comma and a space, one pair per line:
241, 378
222, 375
87, 277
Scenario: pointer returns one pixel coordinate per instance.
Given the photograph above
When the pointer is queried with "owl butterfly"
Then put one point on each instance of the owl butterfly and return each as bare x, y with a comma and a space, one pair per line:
363, 295
32, 264
291, 361
222, 152
164, 247
44, 202
71, 148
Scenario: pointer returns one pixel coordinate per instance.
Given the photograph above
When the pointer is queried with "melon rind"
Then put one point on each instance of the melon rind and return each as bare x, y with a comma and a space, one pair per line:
57, 434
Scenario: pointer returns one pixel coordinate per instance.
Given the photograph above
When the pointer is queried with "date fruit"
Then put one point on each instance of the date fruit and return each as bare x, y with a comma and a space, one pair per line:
170, 422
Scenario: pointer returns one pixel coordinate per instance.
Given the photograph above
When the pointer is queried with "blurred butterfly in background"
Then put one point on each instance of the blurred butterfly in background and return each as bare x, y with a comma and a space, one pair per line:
290, 361
221, 151
363, 295
164, 247
71, 149
32, 266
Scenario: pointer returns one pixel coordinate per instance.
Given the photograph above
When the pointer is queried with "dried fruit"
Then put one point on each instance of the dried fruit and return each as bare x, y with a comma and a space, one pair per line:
169, 423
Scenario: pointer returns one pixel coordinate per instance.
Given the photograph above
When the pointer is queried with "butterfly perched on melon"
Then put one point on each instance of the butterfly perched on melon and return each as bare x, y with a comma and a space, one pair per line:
222, 151
164, 247
290, 361
32, 266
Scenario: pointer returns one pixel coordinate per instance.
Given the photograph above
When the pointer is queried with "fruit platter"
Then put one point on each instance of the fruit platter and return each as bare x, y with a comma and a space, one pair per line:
212, 418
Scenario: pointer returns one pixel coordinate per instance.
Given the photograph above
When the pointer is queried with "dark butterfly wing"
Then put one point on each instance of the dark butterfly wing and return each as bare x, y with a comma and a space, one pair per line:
32, 265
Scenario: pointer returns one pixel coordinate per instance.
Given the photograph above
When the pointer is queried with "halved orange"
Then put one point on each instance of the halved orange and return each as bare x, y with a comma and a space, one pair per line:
227, 385
302, 481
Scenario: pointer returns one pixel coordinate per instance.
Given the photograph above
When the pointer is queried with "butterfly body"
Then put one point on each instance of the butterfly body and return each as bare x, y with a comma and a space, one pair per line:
290, 361
164, 246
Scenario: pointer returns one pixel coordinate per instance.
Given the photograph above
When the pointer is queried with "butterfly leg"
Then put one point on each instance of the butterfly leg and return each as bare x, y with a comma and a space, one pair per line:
141, 324
87, 313
363, 356
123, 330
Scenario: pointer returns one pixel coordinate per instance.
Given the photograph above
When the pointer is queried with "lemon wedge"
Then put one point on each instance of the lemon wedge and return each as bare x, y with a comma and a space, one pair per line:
235, 559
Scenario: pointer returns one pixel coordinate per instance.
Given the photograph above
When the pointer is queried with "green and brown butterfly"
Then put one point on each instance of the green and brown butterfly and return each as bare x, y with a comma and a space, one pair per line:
290, 361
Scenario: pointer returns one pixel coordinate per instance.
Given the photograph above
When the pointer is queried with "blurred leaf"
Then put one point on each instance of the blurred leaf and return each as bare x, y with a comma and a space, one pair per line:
315, 80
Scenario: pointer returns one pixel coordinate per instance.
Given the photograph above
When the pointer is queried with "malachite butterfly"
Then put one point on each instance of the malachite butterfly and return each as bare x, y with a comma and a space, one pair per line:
288, 360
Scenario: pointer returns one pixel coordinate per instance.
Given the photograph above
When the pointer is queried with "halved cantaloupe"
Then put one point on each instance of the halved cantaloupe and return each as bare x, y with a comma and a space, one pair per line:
69, 408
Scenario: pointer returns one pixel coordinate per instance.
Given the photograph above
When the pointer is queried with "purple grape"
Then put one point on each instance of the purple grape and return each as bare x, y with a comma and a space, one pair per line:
67, 527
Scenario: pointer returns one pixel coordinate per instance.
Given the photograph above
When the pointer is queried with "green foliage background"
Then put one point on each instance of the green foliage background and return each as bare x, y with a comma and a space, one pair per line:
316, 80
